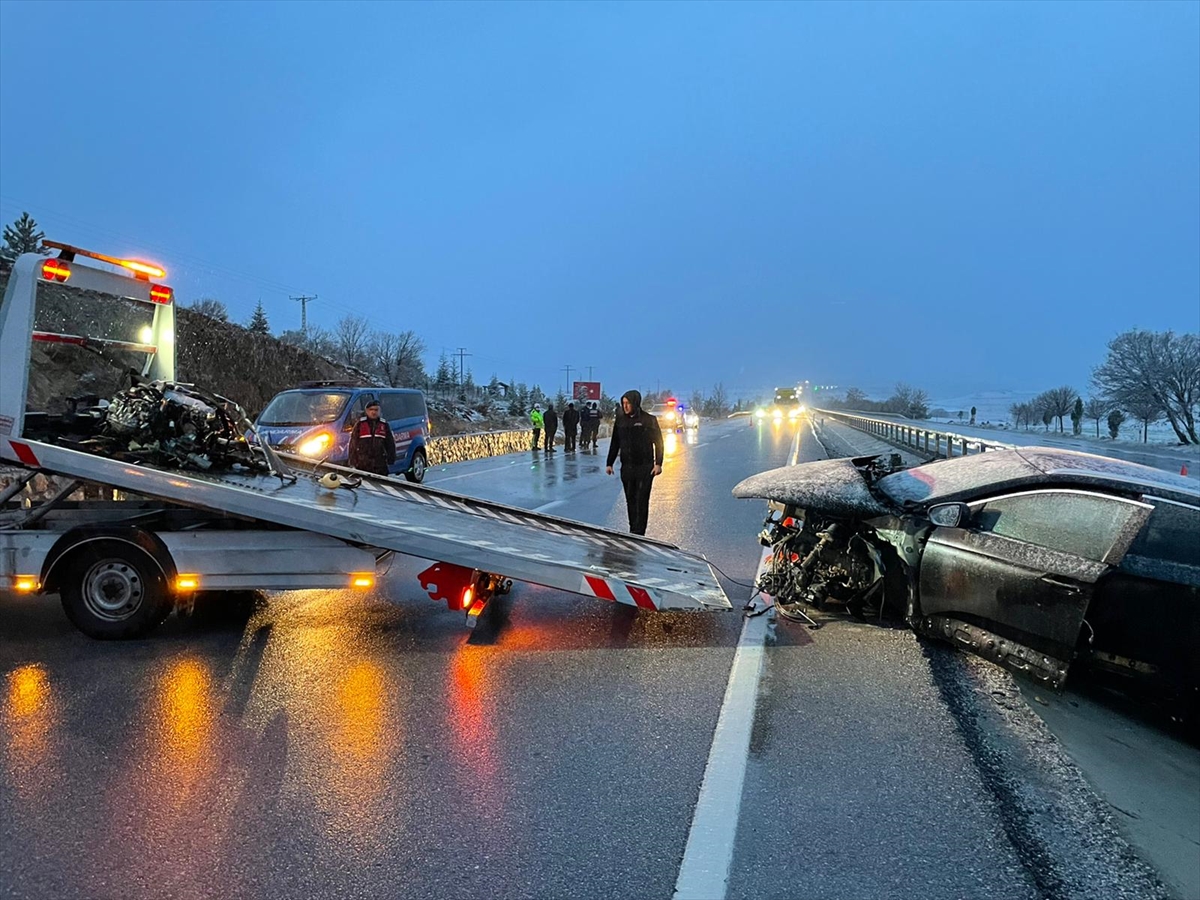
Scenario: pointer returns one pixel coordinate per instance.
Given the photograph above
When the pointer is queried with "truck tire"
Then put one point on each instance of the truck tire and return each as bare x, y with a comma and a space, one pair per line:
113, 590
416, 471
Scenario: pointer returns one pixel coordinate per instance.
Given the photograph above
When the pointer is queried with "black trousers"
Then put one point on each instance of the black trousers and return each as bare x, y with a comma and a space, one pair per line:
537, 433
637, 481
568, 438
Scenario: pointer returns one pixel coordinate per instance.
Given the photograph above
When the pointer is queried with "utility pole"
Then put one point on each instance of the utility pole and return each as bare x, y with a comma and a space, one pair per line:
568, 368
462, 354
303, 301
589, 368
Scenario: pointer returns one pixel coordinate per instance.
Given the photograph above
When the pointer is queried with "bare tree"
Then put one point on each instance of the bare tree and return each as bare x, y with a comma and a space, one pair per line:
207, 306
352, 338
397, 357
1096, 409
854, 398
1147, 409
1058, 402
717, 405
1144, 365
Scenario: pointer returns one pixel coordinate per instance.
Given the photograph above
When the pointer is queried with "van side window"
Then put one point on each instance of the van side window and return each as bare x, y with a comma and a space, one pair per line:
400, 405
357, 411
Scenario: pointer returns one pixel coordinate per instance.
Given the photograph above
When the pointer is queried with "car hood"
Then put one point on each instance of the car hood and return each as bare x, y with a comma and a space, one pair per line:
836, 487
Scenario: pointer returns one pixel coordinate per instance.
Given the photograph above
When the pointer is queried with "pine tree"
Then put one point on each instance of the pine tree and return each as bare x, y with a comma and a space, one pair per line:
258, 321
972, 415
22, 236
445, 374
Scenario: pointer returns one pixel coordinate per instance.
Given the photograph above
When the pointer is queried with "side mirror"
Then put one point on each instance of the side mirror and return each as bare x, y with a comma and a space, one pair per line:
950, 515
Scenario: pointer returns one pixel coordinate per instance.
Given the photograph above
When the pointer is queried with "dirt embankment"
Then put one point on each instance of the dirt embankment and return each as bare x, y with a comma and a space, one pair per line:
220, 357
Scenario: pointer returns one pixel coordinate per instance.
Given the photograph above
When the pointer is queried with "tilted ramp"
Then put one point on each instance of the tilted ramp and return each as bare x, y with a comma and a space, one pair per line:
425, 522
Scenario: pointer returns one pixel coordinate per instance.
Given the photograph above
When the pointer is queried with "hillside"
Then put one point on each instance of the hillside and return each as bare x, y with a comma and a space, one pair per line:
220, 357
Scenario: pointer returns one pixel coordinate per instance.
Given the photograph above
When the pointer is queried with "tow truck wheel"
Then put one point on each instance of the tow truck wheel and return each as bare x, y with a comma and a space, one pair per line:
113, 591
416, 471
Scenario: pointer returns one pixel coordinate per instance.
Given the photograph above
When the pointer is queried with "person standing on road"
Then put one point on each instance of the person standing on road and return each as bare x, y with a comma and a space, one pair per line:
536, 419
638, 440
372, 446
550, 417
570, 424
591, 424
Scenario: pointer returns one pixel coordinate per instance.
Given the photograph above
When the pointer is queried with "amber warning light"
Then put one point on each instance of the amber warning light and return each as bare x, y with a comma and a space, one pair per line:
143, 270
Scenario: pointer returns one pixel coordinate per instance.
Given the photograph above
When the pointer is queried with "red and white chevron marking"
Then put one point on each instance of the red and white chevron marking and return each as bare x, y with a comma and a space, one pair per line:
618, 592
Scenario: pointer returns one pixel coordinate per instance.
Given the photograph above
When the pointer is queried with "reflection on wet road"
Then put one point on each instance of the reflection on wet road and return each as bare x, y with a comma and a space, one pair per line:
340, 743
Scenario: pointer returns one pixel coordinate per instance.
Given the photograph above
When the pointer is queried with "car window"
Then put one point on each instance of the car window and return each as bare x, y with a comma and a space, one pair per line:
358, 410
304, 408
1076, 522
401, 405
1171, 535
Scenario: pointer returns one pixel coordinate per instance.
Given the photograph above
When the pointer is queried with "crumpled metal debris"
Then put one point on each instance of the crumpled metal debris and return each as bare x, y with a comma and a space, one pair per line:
175, 425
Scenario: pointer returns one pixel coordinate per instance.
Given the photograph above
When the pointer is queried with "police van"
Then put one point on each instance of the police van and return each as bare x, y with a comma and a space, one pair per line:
316, 420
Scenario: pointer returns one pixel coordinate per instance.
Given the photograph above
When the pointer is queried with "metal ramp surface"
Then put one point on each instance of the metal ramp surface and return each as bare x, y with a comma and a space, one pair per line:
392, 514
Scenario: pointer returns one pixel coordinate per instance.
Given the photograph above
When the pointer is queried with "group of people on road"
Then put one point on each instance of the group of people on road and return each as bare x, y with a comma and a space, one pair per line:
579, 426
636, 440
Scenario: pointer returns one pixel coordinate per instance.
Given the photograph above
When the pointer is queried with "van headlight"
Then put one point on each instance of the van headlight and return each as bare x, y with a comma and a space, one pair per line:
316, 445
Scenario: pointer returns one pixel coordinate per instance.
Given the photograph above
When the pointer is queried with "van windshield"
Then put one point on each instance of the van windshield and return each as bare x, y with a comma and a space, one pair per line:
304, 408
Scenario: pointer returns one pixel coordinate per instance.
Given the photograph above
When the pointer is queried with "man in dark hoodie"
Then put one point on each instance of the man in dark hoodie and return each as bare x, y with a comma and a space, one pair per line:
550, 418
570, 426
637, 439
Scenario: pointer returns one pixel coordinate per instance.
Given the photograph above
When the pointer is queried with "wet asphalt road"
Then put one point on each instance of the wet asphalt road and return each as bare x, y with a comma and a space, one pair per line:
342, 745
365, 745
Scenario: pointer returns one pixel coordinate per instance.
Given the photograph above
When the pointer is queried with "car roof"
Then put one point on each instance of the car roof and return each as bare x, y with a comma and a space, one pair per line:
970, 477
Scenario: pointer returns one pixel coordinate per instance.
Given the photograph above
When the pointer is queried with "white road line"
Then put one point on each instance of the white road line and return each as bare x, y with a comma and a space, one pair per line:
704, 873
434, 482
698, 446
551, 505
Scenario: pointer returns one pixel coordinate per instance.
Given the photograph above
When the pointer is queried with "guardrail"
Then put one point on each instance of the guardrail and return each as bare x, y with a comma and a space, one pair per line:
933, 444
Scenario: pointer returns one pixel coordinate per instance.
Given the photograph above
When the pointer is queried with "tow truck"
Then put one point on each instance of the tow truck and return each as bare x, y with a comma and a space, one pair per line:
148, 538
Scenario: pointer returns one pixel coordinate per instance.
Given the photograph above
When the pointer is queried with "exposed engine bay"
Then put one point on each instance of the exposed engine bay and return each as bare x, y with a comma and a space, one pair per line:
160, 423
822, 560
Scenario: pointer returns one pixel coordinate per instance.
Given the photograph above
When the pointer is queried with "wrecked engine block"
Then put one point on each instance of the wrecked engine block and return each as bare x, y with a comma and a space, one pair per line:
160, 423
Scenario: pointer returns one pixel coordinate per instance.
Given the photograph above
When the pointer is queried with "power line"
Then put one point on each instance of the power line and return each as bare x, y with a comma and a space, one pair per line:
568, 370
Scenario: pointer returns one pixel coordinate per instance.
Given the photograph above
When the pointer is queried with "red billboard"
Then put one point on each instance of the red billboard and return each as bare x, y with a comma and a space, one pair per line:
586, 390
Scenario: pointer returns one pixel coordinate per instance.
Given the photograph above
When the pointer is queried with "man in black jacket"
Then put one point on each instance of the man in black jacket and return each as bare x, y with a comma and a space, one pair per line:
550, 418
372, 447
570, 424
638, 440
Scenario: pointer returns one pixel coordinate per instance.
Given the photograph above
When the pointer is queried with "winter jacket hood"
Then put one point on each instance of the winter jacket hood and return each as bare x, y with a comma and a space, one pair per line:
635, 400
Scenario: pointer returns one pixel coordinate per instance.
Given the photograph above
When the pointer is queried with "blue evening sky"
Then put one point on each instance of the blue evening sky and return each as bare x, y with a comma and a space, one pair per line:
964, 196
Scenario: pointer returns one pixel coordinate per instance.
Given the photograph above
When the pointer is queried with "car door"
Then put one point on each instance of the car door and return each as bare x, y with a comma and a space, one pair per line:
1013, 582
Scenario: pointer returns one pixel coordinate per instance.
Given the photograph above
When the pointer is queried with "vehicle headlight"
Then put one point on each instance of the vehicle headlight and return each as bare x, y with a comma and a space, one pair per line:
759, 414
316, 445
793, 413
778, 414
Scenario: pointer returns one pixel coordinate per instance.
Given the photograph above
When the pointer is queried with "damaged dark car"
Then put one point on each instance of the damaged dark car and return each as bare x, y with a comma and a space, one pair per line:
1038, 559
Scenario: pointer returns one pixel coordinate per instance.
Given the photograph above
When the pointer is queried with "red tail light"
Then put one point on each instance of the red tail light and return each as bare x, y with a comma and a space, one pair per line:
160, 293
55, 270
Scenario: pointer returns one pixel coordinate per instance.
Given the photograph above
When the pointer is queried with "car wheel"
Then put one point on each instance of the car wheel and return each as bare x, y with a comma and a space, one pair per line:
114, 591
416, 471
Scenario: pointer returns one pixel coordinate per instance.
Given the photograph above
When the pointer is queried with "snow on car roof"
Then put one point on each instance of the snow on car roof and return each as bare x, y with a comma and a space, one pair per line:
967, 477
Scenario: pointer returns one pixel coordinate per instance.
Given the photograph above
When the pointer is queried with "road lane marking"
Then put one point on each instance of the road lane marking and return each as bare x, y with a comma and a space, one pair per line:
437, 481
551, 505
704, 873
